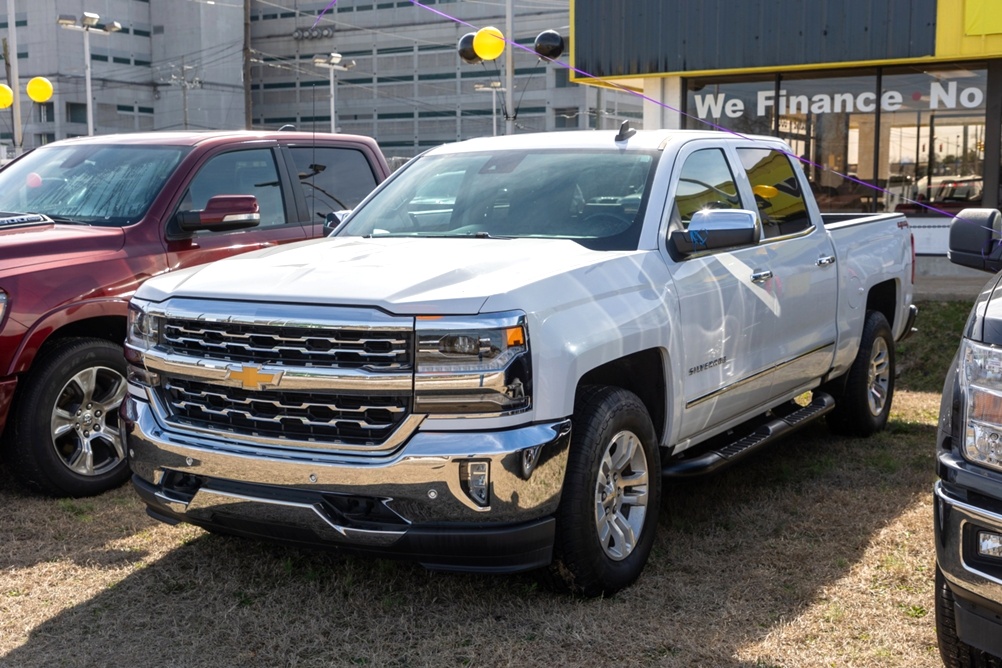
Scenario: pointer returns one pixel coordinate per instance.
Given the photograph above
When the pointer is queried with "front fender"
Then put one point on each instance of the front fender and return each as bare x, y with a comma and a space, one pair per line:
74, 315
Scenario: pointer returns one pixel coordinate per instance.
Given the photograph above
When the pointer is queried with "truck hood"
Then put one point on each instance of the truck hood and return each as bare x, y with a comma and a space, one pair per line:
25, 245
404, 276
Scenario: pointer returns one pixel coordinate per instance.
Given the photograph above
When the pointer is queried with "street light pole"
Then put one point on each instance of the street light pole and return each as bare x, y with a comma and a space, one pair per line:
87, 84
333, 96
88, 24
494, 88
333, 63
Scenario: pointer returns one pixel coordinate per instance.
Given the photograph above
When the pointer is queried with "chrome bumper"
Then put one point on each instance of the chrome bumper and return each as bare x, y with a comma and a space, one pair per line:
370, 502
976, 584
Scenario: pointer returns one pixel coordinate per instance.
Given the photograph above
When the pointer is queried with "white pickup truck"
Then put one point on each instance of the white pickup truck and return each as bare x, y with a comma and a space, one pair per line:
502, 352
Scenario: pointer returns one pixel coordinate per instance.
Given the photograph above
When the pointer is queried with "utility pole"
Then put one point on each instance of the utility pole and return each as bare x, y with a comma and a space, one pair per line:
13, 77
183, 81
248, 110
509, 69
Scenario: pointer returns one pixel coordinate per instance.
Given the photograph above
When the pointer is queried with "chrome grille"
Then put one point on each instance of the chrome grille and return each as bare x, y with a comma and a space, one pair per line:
329, 347
285, 416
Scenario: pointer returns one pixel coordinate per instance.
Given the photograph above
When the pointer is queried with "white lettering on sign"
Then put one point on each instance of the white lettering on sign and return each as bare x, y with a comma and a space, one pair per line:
941, 95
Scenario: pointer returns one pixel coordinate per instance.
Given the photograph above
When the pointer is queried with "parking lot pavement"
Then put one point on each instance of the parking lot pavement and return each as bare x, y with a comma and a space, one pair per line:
937, 279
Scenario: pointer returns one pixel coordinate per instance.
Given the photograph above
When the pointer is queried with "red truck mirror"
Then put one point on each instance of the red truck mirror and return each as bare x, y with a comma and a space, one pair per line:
222, 213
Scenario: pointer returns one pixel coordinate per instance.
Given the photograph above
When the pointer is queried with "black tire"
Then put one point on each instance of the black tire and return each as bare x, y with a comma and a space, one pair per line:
863, 404
64, 435
954, 652
606, 499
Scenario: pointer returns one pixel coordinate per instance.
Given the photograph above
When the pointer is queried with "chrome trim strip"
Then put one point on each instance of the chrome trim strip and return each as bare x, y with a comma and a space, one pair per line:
280, 315
986, 516
754, 377
304, 379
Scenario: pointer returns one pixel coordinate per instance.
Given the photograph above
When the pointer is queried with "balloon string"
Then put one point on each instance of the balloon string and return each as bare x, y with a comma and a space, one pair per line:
511, 43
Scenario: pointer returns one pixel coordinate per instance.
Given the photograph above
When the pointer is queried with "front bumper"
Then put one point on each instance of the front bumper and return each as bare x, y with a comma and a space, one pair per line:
413, 503
975, 580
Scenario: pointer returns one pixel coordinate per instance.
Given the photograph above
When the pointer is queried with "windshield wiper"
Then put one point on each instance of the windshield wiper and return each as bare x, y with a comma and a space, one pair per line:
68, 221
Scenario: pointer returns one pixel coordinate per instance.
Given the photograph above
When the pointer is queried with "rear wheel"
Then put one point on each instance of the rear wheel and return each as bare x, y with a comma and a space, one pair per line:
954, 652
608, 512
65, 436
864, 403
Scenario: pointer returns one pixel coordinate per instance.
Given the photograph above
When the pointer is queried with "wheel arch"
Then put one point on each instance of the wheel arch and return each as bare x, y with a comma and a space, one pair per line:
105, 319
642, 373
883, 297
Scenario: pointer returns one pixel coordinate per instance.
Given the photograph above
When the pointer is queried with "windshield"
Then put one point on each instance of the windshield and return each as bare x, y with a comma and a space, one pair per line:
100, 185
596, 198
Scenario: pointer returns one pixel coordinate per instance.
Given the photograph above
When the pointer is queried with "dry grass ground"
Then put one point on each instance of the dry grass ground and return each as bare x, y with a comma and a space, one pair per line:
818, 552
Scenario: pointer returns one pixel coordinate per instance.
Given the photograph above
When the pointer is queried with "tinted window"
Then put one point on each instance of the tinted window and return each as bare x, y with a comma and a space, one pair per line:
250, 172
705, 182
334, 179
777, 191
596, 198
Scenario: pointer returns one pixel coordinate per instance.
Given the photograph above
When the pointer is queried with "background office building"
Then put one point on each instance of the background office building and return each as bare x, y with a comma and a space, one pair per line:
200, 65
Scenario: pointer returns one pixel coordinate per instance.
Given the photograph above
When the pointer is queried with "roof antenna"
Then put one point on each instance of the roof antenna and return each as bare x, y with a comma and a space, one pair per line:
625, 131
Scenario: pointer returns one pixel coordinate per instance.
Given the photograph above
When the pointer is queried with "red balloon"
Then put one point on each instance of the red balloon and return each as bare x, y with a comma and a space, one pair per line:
33, 180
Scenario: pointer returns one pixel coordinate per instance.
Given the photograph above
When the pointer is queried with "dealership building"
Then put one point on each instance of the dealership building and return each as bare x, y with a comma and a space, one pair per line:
903, 94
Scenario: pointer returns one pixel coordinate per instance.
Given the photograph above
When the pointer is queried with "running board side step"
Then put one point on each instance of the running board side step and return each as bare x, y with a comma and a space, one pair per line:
714, 460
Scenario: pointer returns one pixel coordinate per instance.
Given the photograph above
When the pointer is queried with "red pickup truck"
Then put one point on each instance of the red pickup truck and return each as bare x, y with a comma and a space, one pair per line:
84, 221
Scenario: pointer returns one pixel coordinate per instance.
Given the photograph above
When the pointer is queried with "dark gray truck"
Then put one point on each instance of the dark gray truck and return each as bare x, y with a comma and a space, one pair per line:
968, 494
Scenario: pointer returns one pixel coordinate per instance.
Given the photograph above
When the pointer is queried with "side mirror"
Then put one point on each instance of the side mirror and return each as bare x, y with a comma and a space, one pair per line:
975, 236
710, 229
222, 213
333, 219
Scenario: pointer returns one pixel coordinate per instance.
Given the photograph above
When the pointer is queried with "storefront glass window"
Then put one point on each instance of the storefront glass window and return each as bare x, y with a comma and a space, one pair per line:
916, 133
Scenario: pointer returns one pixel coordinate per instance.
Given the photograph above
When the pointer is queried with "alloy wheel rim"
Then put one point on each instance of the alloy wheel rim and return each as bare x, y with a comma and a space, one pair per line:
879, 377
621, 495
84, 426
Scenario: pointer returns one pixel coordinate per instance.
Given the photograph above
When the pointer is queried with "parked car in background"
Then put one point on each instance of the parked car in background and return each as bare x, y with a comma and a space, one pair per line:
86, 220
968, 495
951, 195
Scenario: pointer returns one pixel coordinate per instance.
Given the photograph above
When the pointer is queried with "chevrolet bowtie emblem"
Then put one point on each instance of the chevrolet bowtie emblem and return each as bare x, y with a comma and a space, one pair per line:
251, 378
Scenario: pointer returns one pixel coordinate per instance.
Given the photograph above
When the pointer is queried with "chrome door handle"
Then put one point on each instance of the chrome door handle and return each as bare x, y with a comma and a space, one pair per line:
825, 261
761, 276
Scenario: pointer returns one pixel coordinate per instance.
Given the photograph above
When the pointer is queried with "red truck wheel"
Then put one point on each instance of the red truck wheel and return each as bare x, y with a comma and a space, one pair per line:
608, 513
66, 436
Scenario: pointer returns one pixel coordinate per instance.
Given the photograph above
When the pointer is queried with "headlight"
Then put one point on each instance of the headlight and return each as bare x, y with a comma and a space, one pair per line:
473, 365
143, 329
981, 382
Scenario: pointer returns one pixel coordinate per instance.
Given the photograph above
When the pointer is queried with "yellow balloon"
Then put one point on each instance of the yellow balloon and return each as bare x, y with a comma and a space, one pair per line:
6, 96
488, 43
39, 89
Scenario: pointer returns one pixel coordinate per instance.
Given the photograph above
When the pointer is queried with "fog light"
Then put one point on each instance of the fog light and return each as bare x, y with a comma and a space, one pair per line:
989, 544
475, 478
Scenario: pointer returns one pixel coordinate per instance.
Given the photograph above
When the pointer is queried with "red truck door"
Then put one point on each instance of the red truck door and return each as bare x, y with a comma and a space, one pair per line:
243, 171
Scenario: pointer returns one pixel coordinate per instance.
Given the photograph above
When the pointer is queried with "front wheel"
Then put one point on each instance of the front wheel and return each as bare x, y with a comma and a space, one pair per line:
66, 438
864, 404
608, 513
